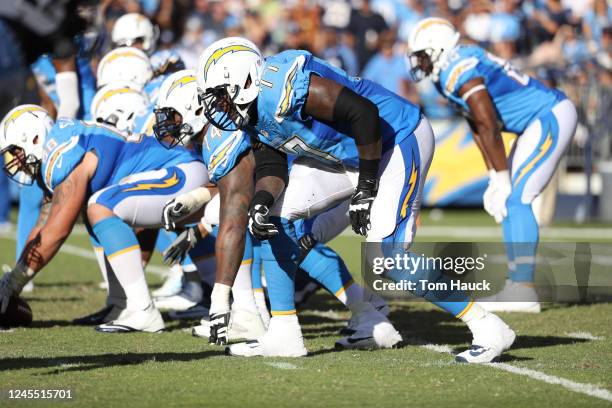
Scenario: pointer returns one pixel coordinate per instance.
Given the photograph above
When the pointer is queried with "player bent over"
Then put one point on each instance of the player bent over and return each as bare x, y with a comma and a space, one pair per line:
378, 143
120, 181
490, 91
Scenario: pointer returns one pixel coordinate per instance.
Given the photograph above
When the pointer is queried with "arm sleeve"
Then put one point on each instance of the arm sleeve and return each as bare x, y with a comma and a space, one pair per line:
270, 162
360, 114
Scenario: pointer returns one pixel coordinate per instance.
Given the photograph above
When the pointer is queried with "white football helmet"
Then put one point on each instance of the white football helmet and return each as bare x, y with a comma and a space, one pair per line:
23, 132
133, 29
429, 44
125, 64
178, 94
229, 74
119, 104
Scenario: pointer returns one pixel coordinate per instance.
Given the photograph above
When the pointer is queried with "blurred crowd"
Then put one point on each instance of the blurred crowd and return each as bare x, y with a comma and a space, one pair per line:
368, 37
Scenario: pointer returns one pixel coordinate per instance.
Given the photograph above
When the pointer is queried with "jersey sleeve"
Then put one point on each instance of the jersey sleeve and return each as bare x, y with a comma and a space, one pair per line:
221, 150
462, 68
293, 87
62, 153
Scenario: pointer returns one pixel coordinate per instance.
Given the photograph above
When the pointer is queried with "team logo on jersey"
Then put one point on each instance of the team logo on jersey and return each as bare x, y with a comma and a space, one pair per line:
285, 101
180, 82
216, 56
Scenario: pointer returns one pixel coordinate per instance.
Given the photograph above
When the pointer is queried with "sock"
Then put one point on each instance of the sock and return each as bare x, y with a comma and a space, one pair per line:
327, 267
453, 301
521, 235
114, 292
472, 312
123, 254
278, 257
242, 290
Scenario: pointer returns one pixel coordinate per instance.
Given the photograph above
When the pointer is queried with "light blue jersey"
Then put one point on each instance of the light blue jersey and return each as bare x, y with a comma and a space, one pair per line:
518, 98
44, 71
283, 93
221, 150
118, 156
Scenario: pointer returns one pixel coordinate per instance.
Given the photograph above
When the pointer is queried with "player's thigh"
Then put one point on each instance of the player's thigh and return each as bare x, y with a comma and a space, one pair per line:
403, 172
313, 187
538, 151
140, 198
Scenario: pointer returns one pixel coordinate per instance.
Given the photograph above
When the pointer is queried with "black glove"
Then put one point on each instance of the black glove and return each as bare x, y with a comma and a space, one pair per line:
185, 242
219, 326
259, 225
306, 243
361, 204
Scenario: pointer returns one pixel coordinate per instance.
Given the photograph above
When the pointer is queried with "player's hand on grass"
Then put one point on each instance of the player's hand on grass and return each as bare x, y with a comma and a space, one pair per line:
185, 242
6, 288
259, 224
361, 204
496, 194
219, 326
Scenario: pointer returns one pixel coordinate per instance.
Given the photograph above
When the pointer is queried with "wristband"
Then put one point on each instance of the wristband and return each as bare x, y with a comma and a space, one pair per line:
368, 169
262, 197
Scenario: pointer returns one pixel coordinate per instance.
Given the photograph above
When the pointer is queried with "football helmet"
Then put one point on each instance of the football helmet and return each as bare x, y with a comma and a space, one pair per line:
229, 73
23, 132
178, 113
135, 30
429, 44
125, 64
119, 104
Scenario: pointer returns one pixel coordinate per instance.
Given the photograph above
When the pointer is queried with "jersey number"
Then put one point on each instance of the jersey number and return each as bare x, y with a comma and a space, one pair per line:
510, 70
297, 146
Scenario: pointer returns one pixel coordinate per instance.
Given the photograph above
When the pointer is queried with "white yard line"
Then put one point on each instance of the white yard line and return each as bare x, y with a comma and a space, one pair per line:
581, 388
282, 365
583, 335
88, 254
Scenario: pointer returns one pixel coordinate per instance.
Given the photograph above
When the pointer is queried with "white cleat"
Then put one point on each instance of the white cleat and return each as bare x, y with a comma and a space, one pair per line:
515, 297
372, 331
491, 338
243, 325
172, 286
176, 302
147, 320
283, 339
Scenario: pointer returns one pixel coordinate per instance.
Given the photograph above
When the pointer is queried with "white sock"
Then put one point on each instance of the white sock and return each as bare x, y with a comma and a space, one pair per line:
219, 299
99, 252
243, 290
127, 267
473, 312
260, 301
353, 296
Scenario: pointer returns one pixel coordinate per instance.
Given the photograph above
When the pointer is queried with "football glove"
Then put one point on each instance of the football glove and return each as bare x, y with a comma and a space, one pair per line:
259, 225
185, 242
361, 204
496, 194
12, 283
306, 243
219, 325
184, 205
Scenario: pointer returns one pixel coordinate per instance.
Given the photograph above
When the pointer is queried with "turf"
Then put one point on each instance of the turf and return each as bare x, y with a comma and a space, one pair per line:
175, 369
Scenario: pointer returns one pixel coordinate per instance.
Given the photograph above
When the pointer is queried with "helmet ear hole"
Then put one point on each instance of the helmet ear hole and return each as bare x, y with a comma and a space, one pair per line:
35, 141
248, 82
199, 111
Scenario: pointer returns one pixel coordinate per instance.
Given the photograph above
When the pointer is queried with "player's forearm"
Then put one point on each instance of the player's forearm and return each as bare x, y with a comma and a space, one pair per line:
491, 146
272, 184
229, 249
42, 247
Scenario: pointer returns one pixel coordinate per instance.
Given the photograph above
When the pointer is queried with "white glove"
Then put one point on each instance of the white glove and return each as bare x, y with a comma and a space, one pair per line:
12, 283
184, 205
497, 194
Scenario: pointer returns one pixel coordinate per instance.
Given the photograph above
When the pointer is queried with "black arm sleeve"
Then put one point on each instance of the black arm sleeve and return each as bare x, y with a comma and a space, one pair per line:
270, 162
360, 114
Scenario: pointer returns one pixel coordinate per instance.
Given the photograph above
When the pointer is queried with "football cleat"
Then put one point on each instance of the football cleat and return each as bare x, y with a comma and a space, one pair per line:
515, 297
283, 339
243, 325
378, 303
147, 320
172, 286
198, 311
372, 330
190, 295
491, 338
106, 314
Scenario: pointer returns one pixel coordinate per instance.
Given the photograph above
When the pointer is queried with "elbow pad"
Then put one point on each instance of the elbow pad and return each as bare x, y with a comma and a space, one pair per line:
67, 86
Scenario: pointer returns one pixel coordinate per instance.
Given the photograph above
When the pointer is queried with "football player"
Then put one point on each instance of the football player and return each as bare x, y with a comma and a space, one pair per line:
225, 153
355, 139
120, 181
495, 97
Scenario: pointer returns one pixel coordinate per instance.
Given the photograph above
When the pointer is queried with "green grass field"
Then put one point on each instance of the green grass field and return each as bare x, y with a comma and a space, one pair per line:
562, 357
